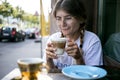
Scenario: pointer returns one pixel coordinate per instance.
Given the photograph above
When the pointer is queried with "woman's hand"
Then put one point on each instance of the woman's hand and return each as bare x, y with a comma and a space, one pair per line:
72, 49
50, 54
50, 51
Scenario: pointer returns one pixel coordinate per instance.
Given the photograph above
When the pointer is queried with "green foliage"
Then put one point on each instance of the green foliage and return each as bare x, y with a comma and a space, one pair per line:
18, 13
0, 21
7, 10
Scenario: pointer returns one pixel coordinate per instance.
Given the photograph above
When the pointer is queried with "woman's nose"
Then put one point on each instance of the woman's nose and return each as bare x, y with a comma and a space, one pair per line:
63, 22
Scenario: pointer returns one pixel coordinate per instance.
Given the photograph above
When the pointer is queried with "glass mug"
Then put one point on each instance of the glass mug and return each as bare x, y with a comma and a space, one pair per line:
30, 68
59, 44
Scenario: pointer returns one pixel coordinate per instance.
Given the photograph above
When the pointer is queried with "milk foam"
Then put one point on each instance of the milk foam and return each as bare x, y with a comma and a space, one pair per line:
59, 39
59, 51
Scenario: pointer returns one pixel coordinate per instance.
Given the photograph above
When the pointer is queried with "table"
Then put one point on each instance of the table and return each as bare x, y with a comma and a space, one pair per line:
112, 74
50, 76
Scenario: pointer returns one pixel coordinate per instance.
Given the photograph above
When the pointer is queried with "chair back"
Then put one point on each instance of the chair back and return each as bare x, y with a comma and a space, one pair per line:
111, 51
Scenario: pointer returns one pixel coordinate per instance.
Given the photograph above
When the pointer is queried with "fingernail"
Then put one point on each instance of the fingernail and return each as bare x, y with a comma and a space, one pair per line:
54, 49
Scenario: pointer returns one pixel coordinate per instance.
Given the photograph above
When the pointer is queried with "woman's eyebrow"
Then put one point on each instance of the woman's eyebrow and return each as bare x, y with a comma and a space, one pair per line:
68, 16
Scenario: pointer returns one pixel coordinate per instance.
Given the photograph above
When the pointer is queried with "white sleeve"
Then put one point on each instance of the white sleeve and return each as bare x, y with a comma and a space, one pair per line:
93, 55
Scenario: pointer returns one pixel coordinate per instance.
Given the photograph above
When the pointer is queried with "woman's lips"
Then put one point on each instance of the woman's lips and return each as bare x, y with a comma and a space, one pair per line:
65, 29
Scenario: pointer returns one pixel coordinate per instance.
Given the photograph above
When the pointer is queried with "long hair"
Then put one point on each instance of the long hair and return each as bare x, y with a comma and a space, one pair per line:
76, 9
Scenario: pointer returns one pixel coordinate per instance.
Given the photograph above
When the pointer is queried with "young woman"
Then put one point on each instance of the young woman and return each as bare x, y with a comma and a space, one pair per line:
83, 47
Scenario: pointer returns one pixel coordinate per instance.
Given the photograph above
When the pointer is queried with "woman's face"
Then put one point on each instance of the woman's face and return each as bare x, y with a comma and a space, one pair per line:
68, 24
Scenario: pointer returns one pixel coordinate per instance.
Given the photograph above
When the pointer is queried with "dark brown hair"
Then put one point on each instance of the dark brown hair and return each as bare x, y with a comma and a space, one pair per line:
76, 9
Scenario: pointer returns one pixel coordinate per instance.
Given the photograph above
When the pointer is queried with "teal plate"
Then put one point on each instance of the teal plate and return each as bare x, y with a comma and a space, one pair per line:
84, 72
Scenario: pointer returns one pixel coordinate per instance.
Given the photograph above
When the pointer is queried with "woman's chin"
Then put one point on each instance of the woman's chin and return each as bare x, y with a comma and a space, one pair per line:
65, 34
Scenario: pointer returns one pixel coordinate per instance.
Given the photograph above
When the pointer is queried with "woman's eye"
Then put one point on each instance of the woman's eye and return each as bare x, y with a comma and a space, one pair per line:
67, 18
64, 18
58, 18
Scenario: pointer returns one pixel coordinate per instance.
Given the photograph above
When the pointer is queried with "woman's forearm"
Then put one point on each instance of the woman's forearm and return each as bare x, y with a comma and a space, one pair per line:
80, 61
50, 63
52, 68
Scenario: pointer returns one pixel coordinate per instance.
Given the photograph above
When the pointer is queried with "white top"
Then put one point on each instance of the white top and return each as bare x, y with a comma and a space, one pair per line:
91, 47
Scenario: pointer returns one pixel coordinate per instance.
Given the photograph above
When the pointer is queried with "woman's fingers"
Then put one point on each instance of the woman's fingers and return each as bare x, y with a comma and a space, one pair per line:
49, 44
50, 51
72, 48
51, 55
70, 43
50, 47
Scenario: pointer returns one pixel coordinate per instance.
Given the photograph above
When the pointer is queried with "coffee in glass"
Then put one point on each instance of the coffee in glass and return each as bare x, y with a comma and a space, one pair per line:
30, 68
59, 44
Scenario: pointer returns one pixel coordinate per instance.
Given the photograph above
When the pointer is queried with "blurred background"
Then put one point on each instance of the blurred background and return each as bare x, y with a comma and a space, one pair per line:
103, 16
